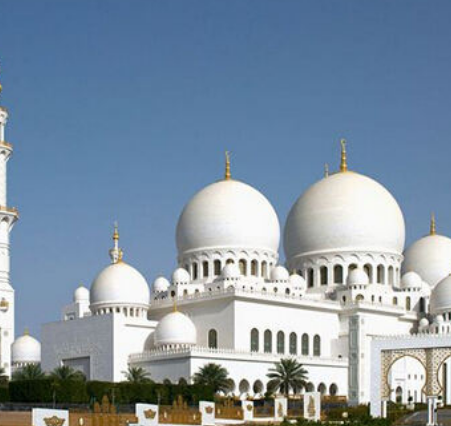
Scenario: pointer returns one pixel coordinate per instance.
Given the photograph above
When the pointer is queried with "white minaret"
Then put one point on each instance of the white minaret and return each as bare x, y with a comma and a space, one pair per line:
8, 217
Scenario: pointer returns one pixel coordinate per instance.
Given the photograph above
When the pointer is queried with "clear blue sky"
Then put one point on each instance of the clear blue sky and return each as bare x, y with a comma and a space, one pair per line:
121, 110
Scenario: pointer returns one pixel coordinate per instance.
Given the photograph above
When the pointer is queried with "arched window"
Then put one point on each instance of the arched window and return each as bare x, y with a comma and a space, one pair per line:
322, 389
310, 276
254, 268
293, 344
408, 303
391, 275
422, 305
352, 266
258, 387
242, 265
217, 267
333, 389
268, 341
323, 275
213, 339
254, 340
287, 291
264, 269
317, 346
369, 271
359, 298
280, 342
195, 271
305, 344
229, 261
381, 274
338, 274
395, 301
205, 269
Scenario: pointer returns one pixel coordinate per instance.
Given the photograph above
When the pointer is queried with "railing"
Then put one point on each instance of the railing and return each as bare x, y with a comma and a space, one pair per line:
265, 410
179, 413
228, 410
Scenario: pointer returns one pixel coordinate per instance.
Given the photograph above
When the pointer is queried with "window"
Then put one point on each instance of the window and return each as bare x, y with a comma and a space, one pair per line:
310, 282
213, 339
293, 344
217, 267
205, 269
287, 291
280, 342
422, 305
195, 271
254, 340
268, 341
408, 303
352, 266
323, 275
369, 272
242, 265
264, 269
229, 261
395, 301
391, 275
317, 346
254, 268
305, 344
380, 274
338, 274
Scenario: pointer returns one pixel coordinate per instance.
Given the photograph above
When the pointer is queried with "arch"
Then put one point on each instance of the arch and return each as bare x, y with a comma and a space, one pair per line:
305, 344
333, 389
232, 385
213, 339
310, 387
381, 274
205, 269
244, 386
360, 298
322, 389
323, 275
242, 264
267, 344
352, 266
395, 301
230, 261
391, 275
399, 395
254, 340
368, 268
338, 274
422, 305
258, 387
254, 266
408, 303
293, 343
287, 291
217, 267
317, 345
280, 342
195, 271
265, 269
310, 278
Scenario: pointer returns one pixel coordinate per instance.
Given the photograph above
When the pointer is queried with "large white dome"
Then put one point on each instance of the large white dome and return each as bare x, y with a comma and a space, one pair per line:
119, 284
25, 349
227, 214
175, 329
440, 301
430, 258
345, 211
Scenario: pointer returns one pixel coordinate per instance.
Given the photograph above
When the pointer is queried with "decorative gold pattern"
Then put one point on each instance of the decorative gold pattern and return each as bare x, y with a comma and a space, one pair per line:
280, 410
209, 410
54, 421
150, 414
179, 413
311, 410
343, 163
116, 232
432, 229
228, 410
249, 407
227, 175
4, 305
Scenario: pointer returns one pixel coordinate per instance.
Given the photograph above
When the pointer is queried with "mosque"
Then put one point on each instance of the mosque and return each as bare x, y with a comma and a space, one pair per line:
347, 280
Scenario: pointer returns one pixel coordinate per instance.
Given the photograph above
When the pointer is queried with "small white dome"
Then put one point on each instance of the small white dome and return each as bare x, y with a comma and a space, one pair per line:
411, 280
228, 214
120, 284
175, 329
344, 212
438, 319
358, 277
424, 322
181, 276
81, 294
297, 282
231, 271
160, 285
429, 257
279, 273
25, 349
440, 301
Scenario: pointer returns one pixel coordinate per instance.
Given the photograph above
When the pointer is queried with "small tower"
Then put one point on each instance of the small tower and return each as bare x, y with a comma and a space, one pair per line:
116, 252
8, 216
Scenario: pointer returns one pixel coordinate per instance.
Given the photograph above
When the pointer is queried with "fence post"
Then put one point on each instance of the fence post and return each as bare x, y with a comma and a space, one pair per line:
207, 412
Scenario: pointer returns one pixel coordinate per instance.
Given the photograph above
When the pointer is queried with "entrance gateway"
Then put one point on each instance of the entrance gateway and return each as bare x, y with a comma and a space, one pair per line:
431, 350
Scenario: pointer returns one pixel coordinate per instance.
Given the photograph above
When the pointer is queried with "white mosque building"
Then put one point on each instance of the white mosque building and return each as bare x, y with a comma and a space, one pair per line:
346, 281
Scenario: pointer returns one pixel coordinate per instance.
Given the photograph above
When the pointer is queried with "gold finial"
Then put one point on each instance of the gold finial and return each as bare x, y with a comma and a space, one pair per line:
227, 175
26, 332
433, 230
116, 232
120, 256
343, 163
326, 170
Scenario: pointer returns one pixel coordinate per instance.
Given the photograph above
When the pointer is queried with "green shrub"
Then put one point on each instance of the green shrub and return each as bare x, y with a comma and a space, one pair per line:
38, 390
4, 394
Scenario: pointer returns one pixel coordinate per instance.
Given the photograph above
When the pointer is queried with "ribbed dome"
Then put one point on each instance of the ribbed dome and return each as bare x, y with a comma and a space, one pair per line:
430, 258
160, 285
120, 284
81, 294
228, 214
175, 329
344, 212
25, 349
440, 301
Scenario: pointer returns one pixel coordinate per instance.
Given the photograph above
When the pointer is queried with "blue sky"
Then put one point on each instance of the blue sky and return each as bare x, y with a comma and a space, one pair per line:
121, 110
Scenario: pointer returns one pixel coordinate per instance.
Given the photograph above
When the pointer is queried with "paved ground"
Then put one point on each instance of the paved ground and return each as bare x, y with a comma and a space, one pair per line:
420, 418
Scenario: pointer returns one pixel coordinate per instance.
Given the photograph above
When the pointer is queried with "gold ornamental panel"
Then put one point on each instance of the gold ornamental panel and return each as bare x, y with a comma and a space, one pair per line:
228, 410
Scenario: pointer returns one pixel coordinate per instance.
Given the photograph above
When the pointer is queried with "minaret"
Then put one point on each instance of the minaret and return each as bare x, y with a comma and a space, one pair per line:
8, 216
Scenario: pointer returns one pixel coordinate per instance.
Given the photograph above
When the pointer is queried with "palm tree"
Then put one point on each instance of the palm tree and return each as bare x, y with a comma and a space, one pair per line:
29, 372
213, 375
65, 372
136, 375
287, 375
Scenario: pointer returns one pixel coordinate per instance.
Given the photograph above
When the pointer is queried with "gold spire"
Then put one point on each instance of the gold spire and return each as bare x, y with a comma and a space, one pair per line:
116, 232
26, 332
343, 163
432, 230
227, 175
326, 170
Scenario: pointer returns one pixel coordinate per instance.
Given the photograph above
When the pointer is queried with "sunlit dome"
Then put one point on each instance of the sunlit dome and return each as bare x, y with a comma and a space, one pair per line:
279, 273
81, 294
357, 276
297, 282
180, 276
26, 350
429, 257
231, 271
160, 285
175, 329
411, 280
440, 301
345, 211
